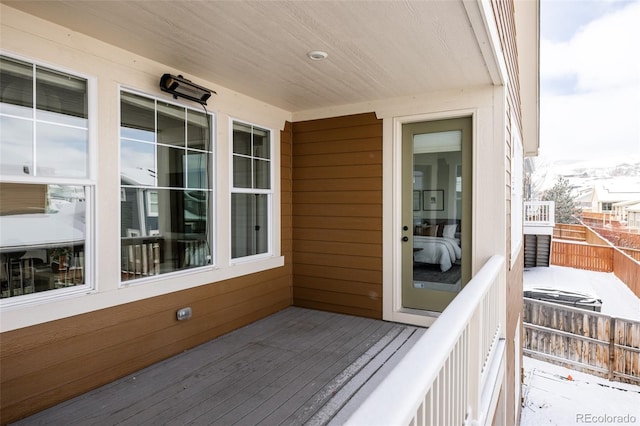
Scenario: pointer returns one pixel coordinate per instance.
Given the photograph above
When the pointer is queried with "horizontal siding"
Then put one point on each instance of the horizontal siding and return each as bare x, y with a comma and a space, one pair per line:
49, 363
337, 214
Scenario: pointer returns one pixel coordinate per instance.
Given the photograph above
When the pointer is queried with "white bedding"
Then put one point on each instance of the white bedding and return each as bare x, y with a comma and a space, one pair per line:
439, 250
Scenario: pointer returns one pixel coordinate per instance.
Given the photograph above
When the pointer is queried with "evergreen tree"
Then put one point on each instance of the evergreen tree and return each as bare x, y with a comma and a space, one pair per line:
566, 209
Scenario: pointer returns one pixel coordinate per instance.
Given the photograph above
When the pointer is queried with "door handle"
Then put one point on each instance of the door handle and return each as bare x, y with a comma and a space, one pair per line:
405, 239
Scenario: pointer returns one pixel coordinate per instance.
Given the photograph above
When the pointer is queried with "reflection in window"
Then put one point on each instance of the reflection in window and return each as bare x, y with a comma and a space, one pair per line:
50, 139
437, 180
44, 134
42, 237
165, 169
251, 193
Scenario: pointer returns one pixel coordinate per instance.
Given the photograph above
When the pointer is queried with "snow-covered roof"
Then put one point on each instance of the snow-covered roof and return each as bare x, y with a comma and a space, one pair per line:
137, 176
585, 198
618, 191
634, 207
25, 231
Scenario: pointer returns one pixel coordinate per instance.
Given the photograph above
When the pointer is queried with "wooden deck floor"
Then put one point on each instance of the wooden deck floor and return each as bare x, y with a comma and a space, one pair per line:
298, 366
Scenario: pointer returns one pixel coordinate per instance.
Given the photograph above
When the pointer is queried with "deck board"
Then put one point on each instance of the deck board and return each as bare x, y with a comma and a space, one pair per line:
298, 366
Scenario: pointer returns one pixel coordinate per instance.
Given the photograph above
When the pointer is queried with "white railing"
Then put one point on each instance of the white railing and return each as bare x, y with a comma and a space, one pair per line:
453, 374
539, 213
140, 257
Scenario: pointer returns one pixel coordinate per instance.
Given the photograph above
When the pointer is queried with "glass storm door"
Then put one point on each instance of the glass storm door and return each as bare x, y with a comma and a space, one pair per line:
436, 212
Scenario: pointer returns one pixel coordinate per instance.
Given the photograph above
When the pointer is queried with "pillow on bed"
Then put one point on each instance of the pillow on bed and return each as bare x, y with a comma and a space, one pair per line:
430, 231
449, 231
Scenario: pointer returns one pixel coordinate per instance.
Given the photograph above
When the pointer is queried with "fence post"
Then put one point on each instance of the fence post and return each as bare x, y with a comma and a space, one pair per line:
612, 346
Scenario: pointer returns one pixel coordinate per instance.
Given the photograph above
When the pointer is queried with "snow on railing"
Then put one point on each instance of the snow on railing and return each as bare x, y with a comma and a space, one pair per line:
539, 213
453, 374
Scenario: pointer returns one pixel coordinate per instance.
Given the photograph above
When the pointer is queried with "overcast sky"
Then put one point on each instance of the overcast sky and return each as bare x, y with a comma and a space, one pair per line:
589, 79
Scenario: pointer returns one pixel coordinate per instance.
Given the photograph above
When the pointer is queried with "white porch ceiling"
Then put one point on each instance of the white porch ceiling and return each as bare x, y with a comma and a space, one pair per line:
377, 49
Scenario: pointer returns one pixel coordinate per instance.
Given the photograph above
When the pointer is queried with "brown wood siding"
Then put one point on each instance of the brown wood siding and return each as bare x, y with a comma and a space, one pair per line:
286, 196
20, 198
337, 214
48, 363
505, 21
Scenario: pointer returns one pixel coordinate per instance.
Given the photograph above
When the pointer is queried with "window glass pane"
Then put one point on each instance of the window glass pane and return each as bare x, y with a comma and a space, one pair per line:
261, 143
137, 117
197, 166
198, 130
262, 174
42, 226
249, 224
241, 172
61, 93
171, 124
16, 87
137, 163
172, 236
16, 146
170, 167
437, 183
241, 139
42, 237
58, 118
61, 151
163, 230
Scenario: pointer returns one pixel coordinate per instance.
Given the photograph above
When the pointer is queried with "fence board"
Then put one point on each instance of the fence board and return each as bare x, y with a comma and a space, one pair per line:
578, 246
582, 256
634, 253
590, 341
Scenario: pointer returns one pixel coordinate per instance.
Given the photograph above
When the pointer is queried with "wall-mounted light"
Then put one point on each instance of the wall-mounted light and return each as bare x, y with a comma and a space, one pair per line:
179, 86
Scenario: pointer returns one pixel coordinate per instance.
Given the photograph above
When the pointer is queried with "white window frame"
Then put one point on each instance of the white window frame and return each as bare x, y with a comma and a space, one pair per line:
269, 192
89, 183
152, 206
212, 190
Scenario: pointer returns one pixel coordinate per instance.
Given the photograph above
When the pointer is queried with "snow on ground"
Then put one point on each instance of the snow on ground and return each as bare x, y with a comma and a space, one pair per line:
617, 299
552, 398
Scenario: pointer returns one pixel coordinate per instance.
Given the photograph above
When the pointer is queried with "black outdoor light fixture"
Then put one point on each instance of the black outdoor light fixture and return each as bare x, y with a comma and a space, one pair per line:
179, 86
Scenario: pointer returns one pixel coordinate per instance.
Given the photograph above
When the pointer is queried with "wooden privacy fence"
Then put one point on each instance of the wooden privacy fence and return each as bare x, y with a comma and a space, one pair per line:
634, 253
569, 232
588, 341
582, 256
565, 231
577, 246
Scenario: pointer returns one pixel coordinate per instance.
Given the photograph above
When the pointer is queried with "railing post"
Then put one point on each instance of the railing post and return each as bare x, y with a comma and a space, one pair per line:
474, 368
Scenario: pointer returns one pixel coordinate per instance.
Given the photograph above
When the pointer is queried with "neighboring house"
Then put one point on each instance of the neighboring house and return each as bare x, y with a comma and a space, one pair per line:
633, 217
583, 200
307, 182
620, 211
605, 195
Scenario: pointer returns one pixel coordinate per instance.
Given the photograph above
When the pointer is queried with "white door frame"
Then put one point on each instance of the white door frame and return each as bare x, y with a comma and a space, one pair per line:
392, 213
